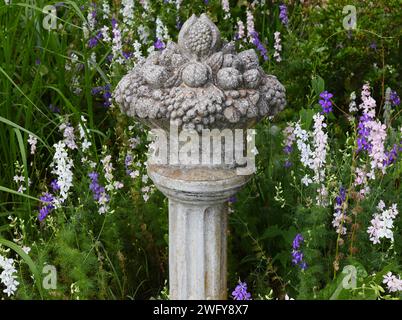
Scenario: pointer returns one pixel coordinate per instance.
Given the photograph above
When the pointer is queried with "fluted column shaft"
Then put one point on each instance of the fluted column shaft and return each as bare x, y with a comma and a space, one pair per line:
197, 250
197, 228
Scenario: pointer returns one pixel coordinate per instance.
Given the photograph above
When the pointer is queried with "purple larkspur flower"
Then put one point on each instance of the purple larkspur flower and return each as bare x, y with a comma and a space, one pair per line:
113, 23
92, 42
240, 292
127, 163
127, 55
55, 186
297, 254
287, 149
297, 241
258, 44
283, 14
107, 96
106, 93
373, 45
363, 132
391, 155
37, 61
288, 164
395, 100
47, 200
341, 197
325, 101
96, 90
159, 44
95, 187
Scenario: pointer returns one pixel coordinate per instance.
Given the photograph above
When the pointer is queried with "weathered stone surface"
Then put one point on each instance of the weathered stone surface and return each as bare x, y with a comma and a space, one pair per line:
200, 63
197, 228
199, 83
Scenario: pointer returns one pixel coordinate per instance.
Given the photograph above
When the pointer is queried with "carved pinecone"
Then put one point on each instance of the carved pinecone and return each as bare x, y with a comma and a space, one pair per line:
200, 38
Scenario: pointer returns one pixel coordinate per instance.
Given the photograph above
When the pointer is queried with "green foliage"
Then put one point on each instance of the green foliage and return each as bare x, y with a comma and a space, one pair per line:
123, 254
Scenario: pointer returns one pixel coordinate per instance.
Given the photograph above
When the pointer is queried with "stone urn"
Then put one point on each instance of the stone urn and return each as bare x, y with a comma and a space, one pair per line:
189, 94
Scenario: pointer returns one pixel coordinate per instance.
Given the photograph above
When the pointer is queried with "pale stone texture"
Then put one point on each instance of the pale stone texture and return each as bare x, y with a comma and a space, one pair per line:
196, 81
197, 228
199, 83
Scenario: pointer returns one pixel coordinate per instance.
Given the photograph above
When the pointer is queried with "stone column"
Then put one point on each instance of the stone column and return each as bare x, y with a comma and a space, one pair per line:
200, 84
197, 228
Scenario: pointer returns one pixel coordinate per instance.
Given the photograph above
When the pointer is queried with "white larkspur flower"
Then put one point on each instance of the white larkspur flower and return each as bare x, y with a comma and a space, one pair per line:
394, 284
306, 180
91, 21
106, 9
250, 25
85, 143
338, 221
352, 103
62, 167
368, 103
240, 29
117, 45
137, 51
178, 4
26, 249
108, 172
127, 11
382, 223
7, 276
277, 46
145, 193
134, 174
314, 158
32, 140
105, 34
143, 33
144, 178
226, 9
134, 142
92, 61
376, 138
162, 31
68, 134
145, 4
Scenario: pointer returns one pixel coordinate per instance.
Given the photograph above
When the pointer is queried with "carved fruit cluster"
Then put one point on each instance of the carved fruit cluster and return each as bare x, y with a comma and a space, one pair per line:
200, 84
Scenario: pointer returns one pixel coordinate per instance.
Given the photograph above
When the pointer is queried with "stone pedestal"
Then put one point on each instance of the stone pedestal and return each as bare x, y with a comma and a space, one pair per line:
197, 228
204, 86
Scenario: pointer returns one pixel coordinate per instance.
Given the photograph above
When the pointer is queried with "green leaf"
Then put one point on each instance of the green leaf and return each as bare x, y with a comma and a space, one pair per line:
14, 125
4, 189
272, 232
318, 84
306, 117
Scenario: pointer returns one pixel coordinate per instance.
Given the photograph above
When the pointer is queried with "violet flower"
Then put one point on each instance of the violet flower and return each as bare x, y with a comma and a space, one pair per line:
395, 100
260, 47
325, 101
297, 254
240, 292
47, 199
283, 14
159, 44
